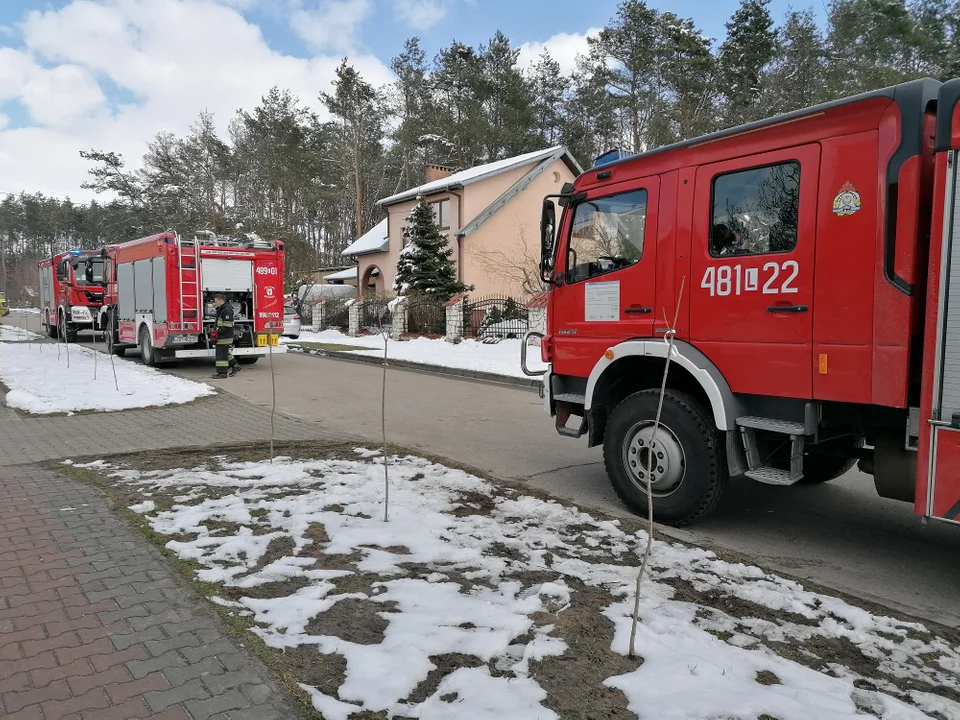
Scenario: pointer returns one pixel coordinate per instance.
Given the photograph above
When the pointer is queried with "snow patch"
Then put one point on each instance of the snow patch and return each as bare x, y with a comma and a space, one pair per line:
41, 383
473, 600
501, 358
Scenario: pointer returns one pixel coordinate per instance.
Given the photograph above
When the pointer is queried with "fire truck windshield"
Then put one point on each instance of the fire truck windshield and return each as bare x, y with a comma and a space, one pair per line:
88, 272
607, 234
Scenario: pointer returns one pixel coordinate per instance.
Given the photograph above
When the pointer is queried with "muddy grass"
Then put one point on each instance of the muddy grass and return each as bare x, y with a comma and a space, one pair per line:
573, 681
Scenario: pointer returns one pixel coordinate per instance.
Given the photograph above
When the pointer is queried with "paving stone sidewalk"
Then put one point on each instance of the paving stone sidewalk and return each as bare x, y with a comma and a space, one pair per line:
95, 626
224, 418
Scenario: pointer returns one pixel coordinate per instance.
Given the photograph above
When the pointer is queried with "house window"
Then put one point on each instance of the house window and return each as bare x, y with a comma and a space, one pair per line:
756, 211
441, 213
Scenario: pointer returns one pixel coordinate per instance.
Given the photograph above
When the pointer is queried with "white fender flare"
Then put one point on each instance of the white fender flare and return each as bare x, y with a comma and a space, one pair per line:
722, 401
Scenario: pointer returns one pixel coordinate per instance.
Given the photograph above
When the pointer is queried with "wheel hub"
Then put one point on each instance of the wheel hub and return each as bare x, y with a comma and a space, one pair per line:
661, 458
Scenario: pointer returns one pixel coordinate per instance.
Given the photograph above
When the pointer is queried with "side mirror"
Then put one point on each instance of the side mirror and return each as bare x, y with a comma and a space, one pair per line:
548, 222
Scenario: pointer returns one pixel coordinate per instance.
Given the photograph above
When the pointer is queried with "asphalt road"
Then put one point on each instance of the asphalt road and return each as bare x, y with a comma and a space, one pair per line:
840, 534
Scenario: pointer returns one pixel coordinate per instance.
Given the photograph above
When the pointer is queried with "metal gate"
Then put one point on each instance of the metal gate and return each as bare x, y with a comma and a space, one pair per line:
427, 316
494, 318
336, 314
376, 316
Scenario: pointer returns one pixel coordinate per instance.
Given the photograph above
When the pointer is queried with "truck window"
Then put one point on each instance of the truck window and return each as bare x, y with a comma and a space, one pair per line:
607, 234
756, 211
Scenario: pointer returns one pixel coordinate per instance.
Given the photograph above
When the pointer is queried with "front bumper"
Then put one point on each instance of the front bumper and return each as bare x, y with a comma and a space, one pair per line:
238, 352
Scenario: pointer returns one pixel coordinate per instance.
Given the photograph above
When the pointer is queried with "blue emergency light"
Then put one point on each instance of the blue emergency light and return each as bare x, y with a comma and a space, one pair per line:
611, 156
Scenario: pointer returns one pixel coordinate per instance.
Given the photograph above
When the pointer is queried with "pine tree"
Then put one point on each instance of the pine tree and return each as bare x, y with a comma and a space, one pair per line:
869, 43
796, 76
425, 267
507, 100
549, 88
748, 49
411, 98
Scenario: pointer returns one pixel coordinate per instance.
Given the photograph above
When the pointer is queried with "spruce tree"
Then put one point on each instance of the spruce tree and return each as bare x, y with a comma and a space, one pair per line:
425, 267
750, 46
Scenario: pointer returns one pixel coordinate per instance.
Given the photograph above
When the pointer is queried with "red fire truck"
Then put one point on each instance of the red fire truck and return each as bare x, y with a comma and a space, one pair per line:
71, 293
160, 290
811, 257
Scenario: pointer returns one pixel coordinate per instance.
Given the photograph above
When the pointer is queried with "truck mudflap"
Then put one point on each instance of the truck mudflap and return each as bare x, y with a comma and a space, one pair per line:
238, 352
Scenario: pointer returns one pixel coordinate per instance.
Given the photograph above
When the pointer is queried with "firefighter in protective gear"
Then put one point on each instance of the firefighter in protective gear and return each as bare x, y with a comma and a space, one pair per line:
222, 335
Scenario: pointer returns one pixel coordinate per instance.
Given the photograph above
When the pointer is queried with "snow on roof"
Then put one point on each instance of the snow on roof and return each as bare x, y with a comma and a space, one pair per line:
374, 240
471, 175
348, 274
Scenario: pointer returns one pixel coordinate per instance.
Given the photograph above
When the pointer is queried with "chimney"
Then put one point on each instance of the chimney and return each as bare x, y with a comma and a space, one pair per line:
438, 172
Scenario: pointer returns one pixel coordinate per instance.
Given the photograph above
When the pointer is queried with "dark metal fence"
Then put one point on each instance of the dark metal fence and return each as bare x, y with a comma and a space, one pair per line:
336, 313
375, 315
494, 318
427, 316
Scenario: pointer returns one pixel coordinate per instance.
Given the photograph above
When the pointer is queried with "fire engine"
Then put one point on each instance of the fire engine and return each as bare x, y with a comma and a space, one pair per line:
160, 290
809, 261
71, 293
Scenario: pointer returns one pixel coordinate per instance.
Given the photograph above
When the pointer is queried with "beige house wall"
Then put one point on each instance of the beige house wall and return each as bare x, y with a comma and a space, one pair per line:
504, 252
500, 253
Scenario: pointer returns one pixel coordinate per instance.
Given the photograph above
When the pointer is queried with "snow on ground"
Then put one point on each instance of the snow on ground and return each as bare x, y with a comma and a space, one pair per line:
40, 381
10, 332
502, 358
463, 567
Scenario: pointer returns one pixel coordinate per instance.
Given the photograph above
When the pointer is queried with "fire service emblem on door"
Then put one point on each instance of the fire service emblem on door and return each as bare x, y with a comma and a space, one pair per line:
847, 201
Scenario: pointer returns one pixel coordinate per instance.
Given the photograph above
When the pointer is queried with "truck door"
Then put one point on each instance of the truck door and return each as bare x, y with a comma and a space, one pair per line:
751, 299
608, 270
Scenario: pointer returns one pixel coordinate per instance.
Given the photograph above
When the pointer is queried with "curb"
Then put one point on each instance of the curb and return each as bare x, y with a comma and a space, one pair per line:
531, 384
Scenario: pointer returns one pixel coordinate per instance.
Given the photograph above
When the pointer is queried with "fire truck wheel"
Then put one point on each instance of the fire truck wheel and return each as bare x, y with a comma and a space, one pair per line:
689, 474
147, 353
824, 468
247, 360
69, 334
51, 329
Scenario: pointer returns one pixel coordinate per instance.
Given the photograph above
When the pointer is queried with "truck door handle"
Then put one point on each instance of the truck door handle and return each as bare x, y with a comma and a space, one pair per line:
788, 308
638, 310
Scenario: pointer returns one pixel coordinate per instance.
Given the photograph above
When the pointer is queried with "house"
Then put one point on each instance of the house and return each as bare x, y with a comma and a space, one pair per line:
490, 214
335, 274
344, 277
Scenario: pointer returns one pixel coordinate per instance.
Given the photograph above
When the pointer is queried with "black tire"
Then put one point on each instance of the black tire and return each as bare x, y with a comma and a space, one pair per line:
703, 466
147, 354
248, 359
110, 333
69, 333
819, 468
51, 329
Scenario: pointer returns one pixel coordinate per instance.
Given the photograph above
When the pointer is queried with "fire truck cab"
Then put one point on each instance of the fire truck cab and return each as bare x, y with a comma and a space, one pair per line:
71, 293
807, 261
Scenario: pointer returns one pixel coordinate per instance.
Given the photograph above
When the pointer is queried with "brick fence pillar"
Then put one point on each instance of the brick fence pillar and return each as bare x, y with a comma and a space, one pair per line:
398, 327
319, 316
354, 308
454, 310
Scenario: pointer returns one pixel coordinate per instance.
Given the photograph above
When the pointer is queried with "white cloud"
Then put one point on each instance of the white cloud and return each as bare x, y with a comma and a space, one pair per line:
421, 14
175, 57
563, 47
331, 24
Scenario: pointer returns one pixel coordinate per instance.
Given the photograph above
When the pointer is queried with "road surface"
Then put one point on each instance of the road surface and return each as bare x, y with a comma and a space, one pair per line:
838, 534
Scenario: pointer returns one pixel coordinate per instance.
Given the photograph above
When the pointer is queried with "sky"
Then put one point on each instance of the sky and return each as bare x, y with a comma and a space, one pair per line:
110, 74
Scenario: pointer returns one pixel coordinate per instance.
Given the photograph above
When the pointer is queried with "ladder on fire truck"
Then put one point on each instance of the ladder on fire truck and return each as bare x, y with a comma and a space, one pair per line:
191, 278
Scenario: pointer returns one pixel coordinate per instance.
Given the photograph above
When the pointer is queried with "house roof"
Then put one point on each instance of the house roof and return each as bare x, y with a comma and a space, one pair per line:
348, 274
544, 161
481, 172
374, 240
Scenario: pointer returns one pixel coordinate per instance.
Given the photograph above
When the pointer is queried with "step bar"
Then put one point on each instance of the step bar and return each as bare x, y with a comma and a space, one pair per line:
756, 470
